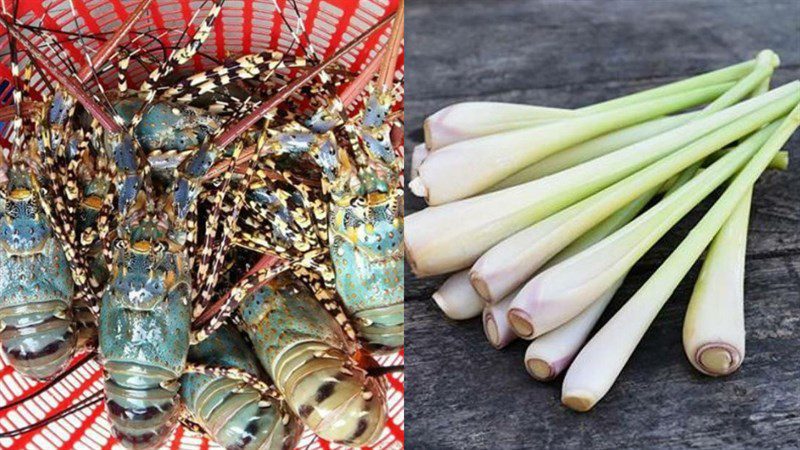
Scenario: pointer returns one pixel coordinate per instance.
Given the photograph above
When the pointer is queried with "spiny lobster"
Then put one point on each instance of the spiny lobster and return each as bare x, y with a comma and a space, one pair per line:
153, 259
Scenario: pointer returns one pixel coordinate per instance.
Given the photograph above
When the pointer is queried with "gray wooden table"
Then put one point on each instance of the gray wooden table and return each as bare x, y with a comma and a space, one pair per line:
461, 393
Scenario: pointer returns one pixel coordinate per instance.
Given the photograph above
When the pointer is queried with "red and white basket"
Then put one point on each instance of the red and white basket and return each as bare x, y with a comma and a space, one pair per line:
244, 26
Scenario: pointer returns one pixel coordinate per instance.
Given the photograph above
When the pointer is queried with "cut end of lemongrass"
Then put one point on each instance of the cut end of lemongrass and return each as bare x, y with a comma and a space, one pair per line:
490, 328
418, 188
540, 369
419, 154
447, 307
521, 323
769, 55
580, 401
718, 359
481, 287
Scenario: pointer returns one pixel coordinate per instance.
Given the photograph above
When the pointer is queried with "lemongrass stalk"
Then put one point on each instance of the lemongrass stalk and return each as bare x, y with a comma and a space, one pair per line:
457, 299
451, 237
469, 120
713, 329
509, 264
724, 75
593, 148
473, 119
758, 79
548, 355
598, 365
560, 293
495, 323
469, 167
780, 161
418, 155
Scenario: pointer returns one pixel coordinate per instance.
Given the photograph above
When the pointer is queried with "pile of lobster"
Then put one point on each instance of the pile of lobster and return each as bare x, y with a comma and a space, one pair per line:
228, 245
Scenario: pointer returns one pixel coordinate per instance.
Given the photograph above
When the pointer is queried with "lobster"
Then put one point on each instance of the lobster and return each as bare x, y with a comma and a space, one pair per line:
235, 413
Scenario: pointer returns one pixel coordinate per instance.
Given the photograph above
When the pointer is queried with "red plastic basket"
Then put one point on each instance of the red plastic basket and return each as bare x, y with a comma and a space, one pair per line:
244, 26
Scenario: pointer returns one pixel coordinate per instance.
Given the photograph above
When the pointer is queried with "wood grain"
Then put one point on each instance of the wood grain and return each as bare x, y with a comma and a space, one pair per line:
461, 393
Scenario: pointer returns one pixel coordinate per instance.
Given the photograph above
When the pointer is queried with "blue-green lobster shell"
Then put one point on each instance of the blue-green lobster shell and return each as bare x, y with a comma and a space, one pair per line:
35, 284
144, 338
232, 412
311, 362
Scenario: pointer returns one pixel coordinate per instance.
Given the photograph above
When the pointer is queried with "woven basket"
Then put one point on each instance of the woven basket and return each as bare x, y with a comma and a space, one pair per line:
244, 26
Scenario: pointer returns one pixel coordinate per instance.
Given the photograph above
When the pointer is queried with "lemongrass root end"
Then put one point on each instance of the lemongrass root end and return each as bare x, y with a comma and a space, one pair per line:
540, 369
418, 187
481, 287
717, 359
492, 333
521, 323
580, 401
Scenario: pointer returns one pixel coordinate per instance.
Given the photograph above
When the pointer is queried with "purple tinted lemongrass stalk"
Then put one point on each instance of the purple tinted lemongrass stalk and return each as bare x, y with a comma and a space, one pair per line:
713, 329
457, 299
474, 225
468, 167
556, 295
597, 366
495, 323
593, 148
548, 355
468, 120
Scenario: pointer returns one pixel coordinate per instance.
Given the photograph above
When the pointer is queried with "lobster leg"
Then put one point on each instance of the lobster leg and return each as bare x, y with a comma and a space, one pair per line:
176, 58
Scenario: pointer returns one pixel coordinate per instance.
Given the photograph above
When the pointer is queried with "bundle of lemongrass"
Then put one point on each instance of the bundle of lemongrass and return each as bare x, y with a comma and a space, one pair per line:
539, 213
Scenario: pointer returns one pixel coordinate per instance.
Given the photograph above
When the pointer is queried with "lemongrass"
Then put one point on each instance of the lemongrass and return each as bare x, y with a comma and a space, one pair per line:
457, 299
548, 355
418, 155
468, 167
758, 79
469, 120
560, 293
597, 366
473, 119
451, 237
713, 329
780, 161
592, 149
495, 323
512, 261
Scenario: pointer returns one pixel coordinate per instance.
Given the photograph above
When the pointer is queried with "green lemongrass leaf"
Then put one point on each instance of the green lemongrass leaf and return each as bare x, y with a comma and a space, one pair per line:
451, 237
599, 363
469, 167
754, 82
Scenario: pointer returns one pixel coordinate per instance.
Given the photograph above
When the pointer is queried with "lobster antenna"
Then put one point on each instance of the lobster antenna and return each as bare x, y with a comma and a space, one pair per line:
387, 71
50, 383
87, 402
106, 51
17, 122
228, 136
179, 56
92, 73
95, 109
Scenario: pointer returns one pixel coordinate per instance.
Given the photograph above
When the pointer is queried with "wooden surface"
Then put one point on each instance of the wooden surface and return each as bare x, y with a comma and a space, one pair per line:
461, 393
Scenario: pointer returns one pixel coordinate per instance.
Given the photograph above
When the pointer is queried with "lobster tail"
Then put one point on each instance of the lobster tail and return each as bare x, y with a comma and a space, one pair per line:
38, 340
311, 361
333, 397
234, 413
142, 405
